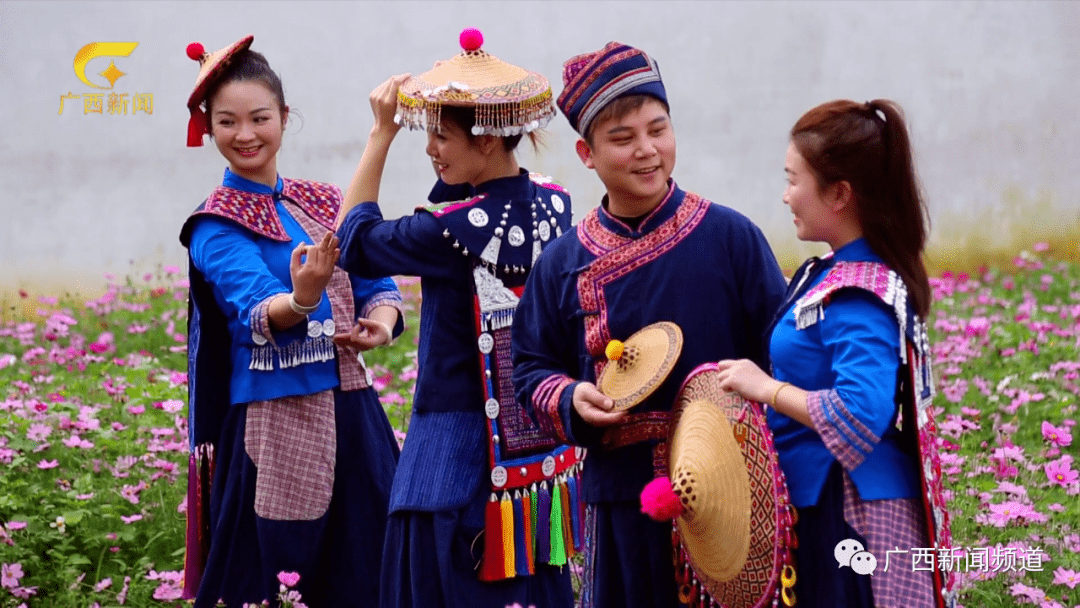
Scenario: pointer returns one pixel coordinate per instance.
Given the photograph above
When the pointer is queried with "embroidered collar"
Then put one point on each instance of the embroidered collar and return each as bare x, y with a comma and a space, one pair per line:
654, 218
253, 205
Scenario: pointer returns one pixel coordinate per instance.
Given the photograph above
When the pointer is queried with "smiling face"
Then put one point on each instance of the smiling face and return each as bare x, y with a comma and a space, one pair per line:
247, 123
457, 159
815, 219
634, 155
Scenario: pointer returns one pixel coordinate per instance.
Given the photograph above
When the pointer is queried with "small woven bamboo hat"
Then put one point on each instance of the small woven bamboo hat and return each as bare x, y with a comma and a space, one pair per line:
637, 367
733, 517
211, 67
509, 100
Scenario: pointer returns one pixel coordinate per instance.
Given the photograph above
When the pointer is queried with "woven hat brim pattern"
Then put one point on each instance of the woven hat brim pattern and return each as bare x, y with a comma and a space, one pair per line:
709, 475
771, 515
658, 348
213, 67
508, 99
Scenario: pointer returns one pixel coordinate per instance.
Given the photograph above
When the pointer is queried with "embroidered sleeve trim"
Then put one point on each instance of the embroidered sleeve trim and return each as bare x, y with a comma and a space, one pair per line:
385, 298
546, 400
848, 439
260, 321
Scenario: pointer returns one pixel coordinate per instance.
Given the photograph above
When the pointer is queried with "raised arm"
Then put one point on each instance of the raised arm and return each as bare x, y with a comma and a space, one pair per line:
365, 183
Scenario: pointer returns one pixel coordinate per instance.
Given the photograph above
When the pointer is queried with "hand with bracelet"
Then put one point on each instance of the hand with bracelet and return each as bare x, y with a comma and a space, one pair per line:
746, 378
310, 269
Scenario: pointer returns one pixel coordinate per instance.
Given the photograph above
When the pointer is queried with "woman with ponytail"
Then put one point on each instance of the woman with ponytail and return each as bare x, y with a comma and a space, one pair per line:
850, 387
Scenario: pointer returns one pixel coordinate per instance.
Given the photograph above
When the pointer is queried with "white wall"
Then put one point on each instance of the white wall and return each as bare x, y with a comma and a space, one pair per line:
990, 89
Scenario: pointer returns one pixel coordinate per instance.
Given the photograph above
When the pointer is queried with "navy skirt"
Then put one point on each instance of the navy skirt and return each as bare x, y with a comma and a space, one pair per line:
430, 560
338, 555
629, 559
820, 581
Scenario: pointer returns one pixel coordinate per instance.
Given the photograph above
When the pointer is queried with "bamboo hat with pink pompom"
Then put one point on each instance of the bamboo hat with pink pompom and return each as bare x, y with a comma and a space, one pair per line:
728, 498
509, 100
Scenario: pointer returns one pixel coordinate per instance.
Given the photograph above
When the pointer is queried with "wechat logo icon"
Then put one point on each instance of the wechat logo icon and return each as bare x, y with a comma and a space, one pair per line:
851, 553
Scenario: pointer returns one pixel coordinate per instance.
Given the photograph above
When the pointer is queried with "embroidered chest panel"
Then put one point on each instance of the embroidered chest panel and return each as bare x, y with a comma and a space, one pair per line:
617, 256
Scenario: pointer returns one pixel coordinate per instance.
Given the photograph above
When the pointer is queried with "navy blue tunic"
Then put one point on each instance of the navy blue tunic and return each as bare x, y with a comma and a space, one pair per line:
433, 541
703, 266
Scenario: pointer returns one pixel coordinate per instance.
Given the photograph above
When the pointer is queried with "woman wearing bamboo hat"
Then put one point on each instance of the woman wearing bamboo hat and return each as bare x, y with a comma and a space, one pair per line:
483, 509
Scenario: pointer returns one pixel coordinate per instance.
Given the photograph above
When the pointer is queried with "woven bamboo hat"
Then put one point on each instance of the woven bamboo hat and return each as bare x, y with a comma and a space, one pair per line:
734, 521
509, 100
638, 366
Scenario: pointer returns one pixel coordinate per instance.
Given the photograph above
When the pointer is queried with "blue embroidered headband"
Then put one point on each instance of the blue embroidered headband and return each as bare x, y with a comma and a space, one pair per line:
591, 81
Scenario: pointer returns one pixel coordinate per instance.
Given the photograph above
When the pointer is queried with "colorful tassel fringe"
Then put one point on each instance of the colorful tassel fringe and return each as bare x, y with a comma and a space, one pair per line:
534, 525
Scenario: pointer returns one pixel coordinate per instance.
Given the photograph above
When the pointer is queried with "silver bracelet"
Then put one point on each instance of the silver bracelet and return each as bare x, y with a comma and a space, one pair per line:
303, 310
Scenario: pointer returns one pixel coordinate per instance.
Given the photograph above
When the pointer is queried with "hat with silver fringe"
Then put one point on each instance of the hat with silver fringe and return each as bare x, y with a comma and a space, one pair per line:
509, 100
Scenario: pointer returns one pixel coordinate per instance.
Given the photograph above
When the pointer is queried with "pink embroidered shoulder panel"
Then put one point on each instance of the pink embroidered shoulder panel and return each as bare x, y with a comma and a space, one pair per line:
256, 212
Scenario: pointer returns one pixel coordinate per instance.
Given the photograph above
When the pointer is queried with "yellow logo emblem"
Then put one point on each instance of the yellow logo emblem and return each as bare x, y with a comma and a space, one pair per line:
102, 49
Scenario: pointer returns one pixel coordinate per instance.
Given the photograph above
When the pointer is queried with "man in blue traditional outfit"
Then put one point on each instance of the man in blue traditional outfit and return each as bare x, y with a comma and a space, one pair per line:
650, 252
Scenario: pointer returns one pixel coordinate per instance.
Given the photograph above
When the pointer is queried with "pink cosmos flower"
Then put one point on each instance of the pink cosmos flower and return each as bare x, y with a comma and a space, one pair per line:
1060, 473
48, 464
103, 584
1033, 594
132, 519
24, 592
135, 410
1069, 578
289, 579
38, 431
167, 592
1056, 436
16, 525
172, 405
10, 575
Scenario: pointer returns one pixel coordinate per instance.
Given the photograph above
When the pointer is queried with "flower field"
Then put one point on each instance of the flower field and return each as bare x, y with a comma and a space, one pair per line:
93, 436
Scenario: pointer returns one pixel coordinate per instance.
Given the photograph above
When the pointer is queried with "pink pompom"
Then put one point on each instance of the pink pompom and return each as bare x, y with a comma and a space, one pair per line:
471, 39
659, 501
195, 50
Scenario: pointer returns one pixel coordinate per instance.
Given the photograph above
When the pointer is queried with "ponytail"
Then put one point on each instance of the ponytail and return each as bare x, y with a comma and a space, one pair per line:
867, 145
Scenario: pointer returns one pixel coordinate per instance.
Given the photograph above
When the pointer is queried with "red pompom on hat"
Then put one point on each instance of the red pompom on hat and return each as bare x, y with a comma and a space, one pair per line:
196, 51
659, 501
471, 39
